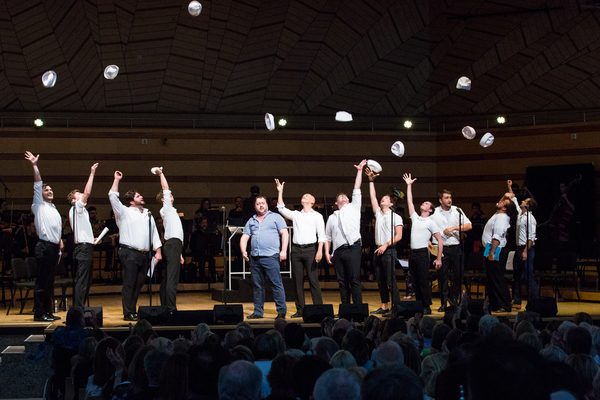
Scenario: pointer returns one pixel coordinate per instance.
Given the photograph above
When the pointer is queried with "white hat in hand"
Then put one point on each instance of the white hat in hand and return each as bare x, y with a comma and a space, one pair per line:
374, 166
156, 170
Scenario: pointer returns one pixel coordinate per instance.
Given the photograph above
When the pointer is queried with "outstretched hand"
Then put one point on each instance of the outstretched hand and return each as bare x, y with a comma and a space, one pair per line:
33, 159
94, 167
118, 175
408, 179
279, 185
361, 165
370, 174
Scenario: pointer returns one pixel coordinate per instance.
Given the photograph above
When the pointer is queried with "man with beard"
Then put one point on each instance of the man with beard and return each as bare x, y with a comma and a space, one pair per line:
137, 236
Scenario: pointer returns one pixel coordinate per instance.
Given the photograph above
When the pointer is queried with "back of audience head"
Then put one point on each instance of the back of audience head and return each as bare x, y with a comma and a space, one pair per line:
356, 343
140, 327
241, 352
501, 332
266, 347
485, 324
359, 373
103, 368
75, 317
431, 367
181, 345
582, 317
205, 363
412, 358
200, 332
294, 336
388, 353
327, 327
240, 380
325, 348
524, 327
440, 332
336, 384
174, 377
393, 383
343, 359
136, 373
427, 324
472, 323
246, 330
392, 326
452, 339
586, 368
131, 347
162, 344
281, 375
553, 353
306, 372
578, 340
153, 363
232, 339
532, 340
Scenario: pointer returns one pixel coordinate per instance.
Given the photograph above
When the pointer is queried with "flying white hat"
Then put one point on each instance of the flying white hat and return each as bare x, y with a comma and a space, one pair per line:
270, 121
343, 116
194, 8
468, 132
463, 83
111, 71
486, 140
49, 79
398, 149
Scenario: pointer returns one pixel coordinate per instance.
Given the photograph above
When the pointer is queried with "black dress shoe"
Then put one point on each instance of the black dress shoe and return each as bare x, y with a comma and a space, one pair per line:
387, 314
442, 309
427, 310
136, 315
502, 310
43, 318
130, 317
297, 315
280, 316
54, 317
379, 311
254, 316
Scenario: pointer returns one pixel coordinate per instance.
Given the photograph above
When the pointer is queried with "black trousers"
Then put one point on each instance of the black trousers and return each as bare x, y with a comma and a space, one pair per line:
346, 262
303, 259
46, 257
171, 253
385, 269
496, 286
418, 265
83, 255
135, 268
450, 264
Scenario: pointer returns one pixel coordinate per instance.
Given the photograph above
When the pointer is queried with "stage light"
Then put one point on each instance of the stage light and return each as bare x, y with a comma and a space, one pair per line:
282, 122
38, 123
501, 120
407, 124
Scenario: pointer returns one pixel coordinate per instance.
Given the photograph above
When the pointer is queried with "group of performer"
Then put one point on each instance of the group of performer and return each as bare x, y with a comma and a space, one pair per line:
434, 230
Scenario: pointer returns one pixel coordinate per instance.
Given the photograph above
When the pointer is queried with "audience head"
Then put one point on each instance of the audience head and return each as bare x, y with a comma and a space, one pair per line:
205, 362
392, 326
241, 352
336, 384
279, 325
578, 340
153, 364
393, 383
327, 327
174, 377
266, 347
440, 332
431, 367
75, 317
103, 368
325, 348
586, 368
232, 339
200, 332
524, 327
343, 359
306, 372
388, 353
246, 330
412, 358
427, 324
485, 324
140, 327
181, 345
240, 380
281, 375
136, 372
356, 343
87, 348
582, 317
532, 340
553, 353
131, 347
294, 336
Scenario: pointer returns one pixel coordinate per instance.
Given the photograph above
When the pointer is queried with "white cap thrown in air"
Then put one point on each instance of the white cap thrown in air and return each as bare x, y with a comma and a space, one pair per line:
468, 132
343, 116
194, 8
111, 71
463, 83
374, 166
486, 140
398, 149
49, 79
269, 121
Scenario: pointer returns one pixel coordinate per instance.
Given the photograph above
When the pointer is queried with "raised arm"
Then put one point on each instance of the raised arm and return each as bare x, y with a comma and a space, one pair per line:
115, 185
509, 184
358, 180
279, 191
163, 181
33, 160
409, 197
88, 186
372, 193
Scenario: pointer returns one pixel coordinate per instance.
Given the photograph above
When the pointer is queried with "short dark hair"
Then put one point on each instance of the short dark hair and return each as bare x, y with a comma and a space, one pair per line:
476, 204
91, 208
71, 196
443, 192
532, 206
160, 196
254, 190
129, 196
261, 197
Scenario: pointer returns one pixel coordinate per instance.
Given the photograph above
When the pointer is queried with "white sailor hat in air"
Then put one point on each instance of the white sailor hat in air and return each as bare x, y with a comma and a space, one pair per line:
49, 79
194, 8
468, 132
111, 71
270, 121
486, 140
463, 83
343, 116
398, 149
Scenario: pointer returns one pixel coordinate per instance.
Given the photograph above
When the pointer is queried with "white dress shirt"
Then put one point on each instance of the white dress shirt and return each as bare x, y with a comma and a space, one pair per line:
48, 221
343, 226
383, 226
308, 227
522, 226
421, 231
171, 220
446, 219
496, 228
133, 225
82, 232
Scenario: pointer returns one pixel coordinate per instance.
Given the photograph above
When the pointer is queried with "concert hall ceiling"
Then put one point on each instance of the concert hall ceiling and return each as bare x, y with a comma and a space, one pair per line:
376, 58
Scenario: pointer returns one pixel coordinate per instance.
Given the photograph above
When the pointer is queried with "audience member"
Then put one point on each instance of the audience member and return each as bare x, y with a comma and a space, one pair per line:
306, 373
240, 380
431, 367
336, 384
388, 353
174, 378
325, 348
343, 359
280, 376
394, 383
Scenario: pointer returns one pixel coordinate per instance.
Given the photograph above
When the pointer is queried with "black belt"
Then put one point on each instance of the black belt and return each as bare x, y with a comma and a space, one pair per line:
124, 246
50, 243
419, 250
347, 246
82, 243
304, 246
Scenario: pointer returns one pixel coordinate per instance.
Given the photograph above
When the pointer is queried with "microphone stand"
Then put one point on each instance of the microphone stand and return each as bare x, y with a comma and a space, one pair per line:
528, 258
150, 255
75, 262
461, 252
225, 269
5, 191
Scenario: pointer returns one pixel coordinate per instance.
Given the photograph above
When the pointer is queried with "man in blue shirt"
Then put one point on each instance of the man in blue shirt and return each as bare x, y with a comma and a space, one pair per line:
265, 228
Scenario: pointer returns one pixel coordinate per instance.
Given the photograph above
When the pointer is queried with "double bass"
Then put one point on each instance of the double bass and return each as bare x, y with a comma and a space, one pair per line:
560, 217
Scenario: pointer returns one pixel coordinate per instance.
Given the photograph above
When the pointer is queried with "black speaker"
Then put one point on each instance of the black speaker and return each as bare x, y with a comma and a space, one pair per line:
190, 317
98, 310
229, 313
156, 315
475, 307
546, 307
357, 312
408, 309
317, 312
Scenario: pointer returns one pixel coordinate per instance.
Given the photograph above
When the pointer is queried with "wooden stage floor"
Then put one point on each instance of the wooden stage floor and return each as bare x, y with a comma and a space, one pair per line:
199, 298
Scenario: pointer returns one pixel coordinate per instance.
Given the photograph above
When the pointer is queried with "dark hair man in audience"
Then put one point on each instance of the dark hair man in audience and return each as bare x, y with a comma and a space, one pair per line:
385, 255
240, 380
307, 246
494, 240
172, 248
307, 371
48, 223
137, 236
451, 220
422, 229
83, 237
236, 215
392, 383
343, 238
267, 252
336, 384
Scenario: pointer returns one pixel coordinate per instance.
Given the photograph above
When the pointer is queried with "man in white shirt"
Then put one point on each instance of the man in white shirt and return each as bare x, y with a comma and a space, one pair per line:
525, 253
343, 232
172, 247
385, 256
494, 240
83, 236
451, 220
307, 246
421, 231
48, 224
137, 237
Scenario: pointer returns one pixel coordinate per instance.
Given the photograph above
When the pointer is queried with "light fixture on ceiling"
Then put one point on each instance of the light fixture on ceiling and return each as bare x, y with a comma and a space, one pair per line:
282, 122
408, 124
501, 120
38, 123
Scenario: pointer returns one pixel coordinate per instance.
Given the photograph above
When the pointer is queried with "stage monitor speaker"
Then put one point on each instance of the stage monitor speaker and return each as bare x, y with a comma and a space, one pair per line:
475, 307
317, 312
408, 309
357, 312
546, 307
156, 315
190, 317
228, 313
98, 310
